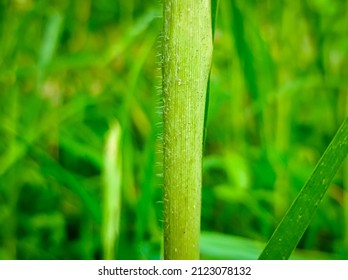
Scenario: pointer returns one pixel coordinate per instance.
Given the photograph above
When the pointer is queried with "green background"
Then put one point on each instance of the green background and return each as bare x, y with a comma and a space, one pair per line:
69, 69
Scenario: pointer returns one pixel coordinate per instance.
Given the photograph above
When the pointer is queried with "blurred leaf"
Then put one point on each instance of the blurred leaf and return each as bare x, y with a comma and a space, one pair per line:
230, 247
244, 51
50, 40
81, 150
88, 58
71, 181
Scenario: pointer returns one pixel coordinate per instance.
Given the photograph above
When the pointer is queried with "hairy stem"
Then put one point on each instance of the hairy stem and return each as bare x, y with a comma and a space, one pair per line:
187, 53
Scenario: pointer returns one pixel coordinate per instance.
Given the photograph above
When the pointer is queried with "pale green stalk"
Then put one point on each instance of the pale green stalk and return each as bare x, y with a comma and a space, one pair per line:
112, 192
187, 54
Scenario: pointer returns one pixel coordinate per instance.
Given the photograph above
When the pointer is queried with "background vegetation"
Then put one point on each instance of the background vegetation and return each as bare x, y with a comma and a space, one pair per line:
69, 70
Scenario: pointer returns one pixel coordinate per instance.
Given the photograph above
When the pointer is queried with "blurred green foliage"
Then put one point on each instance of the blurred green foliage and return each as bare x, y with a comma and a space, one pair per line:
69, 69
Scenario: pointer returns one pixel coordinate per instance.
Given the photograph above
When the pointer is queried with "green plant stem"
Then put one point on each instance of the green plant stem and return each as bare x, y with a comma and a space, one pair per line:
290, 230
187, 53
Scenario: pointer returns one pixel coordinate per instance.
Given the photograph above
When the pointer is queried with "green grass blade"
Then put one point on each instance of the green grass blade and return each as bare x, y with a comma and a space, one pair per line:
214, 11
290, 230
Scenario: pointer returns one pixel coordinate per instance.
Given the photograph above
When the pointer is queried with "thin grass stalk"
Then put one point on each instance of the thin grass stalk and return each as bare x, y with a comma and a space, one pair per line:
187, 54
112, 171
